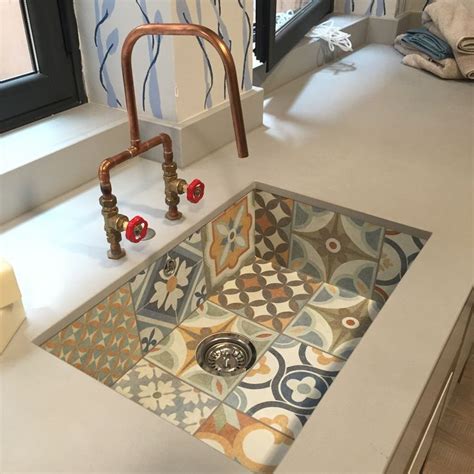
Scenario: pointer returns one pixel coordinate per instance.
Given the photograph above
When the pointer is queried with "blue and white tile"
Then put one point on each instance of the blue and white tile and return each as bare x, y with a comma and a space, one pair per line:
399, 250
334, 320
335, 248
168, 291
166, 396
285, 385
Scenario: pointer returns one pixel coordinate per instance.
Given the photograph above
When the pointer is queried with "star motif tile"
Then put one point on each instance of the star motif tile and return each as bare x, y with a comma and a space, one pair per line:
272, 227
104, 342
229, 241
256, 446
166, 396
335, 248
176, 353
266, 293
334, 320
285, 385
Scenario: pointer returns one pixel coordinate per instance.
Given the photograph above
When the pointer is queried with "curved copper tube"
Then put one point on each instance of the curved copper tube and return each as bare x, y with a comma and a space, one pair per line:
138, 149
112, 219
178, 29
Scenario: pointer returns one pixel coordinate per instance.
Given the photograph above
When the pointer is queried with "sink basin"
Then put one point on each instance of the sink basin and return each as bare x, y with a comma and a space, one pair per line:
291, 285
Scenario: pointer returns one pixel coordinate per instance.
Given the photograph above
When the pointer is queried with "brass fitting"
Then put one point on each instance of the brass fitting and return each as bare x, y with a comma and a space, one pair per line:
136, 228
114, 225
173, 187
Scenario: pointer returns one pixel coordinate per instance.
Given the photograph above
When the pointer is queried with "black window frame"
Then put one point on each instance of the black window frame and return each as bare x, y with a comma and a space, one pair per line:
271, 45
57, 85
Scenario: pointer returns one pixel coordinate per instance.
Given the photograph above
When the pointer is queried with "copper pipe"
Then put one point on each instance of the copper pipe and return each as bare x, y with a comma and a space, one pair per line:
113, 161
114, 222
178, 29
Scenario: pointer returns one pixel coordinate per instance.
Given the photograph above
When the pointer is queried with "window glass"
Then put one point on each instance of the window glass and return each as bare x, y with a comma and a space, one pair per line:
287, 9
15, 56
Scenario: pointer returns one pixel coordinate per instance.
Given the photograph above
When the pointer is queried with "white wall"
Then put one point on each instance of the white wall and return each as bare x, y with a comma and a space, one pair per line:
172, 75
379, 8
194, 76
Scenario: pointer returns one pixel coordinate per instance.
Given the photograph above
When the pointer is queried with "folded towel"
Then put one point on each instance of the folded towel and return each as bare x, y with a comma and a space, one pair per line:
406, 48
465, 64
425, 41
445, 68
465, 61
455, 21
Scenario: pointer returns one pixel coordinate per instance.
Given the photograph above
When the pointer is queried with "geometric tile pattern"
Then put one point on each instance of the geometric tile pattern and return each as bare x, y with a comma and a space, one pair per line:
168, 291
229, 241
334, 320
266, 293
398, 253
256, 446
272, 227
293, 278
286, 385
103, 342
166, 396
176, 352
334, 248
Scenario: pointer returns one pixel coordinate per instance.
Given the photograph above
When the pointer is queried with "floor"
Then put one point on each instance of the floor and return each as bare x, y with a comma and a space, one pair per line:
303, 330
453, 446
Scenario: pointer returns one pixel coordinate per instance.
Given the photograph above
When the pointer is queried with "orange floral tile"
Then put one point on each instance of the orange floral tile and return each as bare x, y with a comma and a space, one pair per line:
104, 342
256, 446
229, 241
176, 353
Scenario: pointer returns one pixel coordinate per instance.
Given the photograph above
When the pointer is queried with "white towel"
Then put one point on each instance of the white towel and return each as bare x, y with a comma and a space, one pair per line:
455, 20
445, 68
437, 24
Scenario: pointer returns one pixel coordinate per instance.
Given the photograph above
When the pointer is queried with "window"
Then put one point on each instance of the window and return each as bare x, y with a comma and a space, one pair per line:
40, 67
280, 24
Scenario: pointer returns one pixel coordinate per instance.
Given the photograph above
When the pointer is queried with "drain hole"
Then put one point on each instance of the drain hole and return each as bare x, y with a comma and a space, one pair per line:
226, 354
170, 267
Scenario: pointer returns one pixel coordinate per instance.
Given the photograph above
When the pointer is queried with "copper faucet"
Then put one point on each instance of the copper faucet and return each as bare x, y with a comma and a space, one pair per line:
136, 228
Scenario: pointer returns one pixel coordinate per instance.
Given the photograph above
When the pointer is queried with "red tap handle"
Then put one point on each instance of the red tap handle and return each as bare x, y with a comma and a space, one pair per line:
195, 191
136, 229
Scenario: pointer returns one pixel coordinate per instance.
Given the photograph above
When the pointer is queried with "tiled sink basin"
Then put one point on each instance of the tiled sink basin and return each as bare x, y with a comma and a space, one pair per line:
302, 283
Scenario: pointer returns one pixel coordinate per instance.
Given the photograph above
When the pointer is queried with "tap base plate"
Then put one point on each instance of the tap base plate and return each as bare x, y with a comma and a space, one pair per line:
173, 216
113, 256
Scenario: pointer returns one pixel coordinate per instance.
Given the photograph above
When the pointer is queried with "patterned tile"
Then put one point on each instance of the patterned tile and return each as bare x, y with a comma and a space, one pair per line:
166, 396
334, 248
169, 290
256, 446
398, 252
104, 342
334, 320
176, 352
286, 384
229, 241
272, 227
266, 293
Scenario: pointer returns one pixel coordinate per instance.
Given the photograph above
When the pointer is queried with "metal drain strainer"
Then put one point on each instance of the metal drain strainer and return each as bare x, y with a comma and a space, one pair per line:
226, 354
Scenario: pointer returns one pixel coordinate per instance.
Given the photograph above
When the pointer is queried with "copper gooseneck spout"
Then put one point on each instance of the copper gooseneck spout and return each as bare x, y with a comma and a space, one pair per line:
135, 228
177, 29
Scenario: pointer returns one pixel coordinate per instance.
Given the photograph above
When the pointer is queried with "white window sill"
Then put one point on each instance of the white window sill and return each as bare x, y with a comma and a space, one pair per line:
45, 159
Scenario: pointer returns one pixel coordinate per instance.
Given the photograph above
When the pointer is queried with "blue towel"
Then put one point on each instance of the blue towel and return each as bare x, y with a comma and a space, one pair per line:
428, 43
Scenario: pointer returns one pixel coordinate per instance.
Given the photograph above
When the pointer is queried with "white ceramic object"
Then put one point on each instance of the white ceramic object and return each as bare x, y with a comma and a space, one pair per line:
12, 312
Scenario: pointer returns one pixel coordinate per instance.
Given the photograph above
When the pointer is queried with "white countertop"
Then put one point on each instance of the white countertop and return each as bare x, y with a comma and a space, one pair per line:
366, 134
